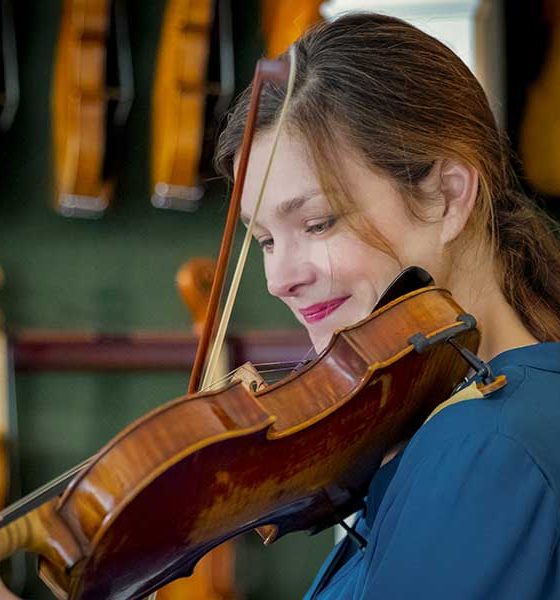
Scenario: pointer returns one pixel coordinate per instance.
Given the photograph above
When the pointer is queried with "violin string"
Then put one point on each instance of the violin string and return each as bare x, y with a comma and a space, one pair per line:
224, 380
30, 500
275, 367
228, 306
265, 367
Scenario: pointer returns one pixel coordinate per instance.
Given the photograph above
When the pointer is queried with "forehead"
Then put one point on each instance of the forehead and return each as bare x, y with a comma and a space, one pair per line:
292, 173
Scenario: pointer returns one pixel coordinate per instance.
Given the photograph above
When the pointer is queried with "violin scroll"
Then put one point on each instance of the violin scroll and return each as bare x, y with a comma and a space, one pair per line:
194, 282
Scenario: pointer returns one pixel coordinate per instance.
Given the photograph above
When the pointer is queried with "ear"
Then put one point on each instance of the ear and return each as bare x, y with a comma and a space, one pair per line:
457, 184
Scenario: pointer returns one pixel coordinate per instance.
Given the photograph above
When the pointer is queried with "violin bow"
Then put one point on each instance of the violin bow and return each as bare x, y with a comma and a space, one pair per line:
283, 73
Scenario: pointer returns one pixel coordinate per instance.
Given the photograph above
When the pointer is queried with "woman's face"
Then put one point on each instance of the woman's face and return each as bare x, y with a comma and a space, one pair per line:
325, 274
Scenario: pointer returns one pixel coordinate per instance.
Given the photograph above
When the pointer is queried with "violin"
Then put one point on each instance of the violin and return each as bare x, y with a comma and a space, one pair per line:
540, 131
297, 455
91, 99
213, 464
9, 464
284, 22
194, 82
9, 78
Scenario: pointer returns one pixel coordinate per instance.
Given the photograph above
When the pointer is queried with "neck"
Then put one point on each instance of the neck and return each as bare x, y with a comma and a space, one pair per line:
477, 290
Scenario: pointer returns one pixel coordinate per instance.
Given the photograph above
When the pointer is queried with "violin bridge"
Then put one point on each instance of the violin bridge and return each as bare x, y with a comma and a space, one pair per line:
249, 377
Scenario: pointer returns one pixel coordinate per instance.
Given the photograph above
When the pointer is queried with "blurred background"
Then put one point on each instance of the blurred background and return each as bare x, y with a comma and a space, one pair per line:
109, 115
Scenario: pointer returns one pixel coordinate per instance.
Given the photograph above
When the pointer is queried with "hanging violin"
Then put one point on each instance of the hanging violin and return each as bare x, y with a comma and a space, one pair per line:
284, 22
193, 85
91, 99
9, 78
9, 463
294, 455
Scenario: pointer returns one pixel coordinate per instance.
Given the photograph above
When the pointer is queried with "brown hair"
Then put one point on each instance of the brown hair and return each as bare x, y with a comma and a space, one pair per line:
403, 100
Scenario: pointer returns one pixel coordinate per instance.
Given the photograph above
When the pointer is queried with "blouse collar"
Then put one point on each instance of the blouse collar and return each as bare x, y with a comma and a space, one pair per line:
545, 356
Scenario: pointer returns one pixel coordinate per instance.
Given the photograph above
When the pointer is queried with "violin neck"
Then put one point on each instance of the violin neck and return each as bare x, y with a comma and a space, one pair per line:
43, 532
21, 534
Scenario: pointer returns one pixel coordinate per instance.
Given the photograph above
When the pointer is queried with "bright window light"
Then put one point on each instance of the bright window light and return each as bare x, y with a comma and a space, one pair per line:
450, 21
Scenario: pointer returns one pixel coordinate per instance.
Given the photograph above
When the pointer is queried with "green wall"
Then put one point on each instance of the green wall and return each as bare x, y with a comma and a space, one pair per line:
114, 275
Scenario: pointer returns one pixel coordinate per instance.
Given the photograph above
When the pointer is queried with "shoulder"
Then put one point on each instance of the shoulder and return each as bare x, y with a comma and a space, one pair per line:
514, 432
477, 473
524, 415
468, 482
475, 502
487, 449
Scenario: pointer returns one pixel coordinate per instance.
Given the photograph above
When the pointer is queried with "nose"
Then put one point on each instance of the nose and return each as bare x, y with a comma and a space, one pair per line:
288, 275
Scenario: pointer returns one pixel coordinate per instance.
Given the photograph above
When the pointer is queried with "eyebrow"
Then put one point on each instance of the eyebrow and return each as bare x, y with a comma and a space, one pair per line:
287, 206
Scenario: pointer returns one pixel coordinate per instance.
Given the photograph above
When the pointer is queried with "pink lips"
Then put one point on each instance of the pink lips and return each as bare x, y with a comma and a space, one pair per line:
319, 311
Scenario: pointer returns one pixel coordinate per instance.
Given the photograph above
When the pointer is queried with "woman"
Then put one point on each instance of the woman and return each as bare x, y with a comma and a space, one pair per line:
390, 157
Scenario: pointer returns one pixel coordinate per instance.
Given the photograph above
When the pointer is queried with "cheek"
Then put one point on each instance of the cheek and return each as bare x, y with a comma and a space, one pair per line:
358, 264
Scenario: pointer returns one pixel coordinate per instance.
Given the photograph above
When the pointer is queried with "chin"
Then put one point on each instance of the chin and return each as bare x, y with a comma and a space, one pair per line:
320, 342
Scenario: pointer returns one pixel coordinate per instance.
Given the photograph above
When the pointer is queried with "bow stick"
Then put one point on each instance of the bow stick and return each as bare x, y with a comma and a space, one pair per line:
267, 70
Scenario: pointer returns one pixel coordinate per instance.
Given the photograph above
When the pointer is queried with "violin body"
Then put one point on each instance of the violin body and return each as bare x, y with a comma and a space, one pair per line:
297, 455
540, 128
79, 107
179, 102
284, 22
91, 97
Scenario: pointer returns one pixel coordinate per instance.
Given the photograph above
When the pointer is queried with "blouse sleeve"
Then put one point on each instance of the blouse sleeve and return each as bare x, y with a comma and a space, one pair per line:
474, 520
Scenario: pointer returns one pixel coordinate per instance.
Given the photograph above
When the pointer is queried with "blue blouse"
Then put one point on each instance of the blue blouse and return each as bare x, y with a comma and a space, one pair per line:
469, 510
